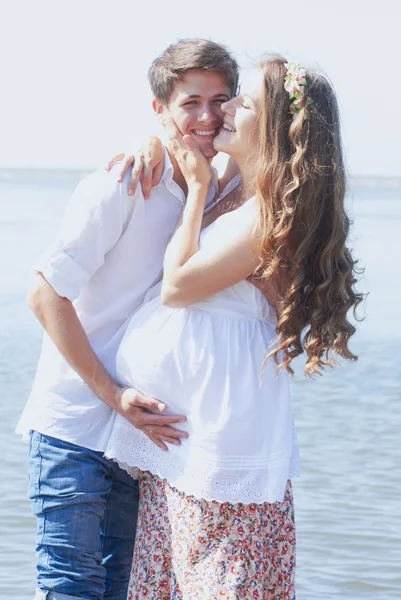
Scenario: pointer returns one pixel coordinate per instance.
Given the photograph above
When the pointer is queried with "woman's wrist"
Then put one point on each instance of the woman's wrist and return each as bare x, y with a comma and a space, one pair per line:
195, 183
197, 192
198, 188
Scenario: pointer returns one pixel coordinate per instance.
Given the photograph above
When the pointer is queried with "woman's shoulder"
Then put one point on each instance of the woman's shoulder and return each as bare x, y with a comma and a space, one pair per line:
245, 216
233, 228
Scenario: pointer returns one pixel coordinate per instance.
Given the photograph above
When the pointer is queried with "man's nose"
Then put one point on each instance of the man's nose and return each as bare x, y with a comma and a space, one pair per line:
207, 113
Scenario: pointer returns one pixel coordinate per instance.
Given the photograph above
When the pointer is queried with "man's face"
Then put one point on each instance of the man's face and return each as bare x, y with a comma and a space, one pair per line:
195, 106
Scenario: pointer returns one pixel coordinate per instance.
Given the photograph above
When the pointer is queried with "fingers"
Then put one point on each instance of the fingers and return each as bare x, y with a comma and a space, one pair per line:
158, 442
160, 434
159, 425
127, 162
129, 397
173, 133
149, 404
146, 181
178, 143
189, 143
173, 441
113, 161
137, 400
165, 432
146, 419
157, 174
164, 435
135, 176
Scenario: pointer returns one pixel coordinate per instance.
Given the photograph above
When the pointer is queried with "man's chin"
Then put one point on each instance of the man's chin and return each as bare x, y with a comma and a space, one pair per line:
210, 154
206, 147
207, 150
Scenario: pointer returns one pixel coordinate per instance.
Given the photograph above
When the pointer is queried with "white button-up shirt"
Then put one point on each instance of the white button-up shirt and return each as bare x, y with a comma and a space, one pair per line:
108, 253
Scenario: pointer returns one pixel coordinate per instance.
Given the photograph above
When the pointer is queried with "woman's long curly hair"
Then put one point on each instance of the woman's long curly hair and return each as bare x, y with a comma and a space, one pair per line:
300, 187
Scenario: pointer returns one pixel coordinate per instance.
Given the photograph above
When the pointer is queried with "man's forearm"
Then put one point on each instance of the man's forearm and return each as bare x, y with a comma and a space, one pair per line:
59, 319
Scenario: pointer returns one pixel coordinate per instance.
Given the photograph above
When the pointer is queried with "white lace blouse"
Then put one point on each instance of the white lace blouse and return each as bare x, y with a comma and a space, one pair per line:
205, 362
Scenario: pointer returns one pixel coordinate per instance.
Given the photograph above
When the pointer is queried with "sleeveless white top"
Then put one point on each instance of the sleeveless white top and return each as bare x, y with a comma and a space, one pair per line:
204, 362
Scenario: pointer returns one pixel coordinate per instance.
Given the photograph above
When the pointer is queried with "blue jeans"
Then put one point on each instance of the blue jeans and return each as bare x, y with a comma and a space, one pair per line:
86, 508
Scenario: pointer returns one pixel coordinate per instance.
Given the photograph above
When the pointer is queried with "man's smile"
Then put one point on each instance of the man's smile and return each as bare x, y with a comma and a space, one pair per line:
205, 132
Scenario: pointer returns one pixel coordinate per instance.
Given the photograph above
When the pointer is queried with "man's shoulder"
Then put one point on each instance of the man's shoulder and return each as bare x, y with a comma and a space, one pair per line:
101, 188
103, 181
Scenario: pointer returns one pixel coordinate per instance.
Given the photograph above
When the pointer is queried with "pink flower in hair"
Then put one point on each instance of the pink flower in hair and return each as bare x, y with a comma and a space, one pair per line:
295, 83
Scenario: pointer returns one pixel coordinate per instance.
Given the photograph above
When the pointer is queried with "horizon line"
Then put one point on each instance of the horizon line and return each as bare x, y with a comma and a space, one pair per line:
90, 169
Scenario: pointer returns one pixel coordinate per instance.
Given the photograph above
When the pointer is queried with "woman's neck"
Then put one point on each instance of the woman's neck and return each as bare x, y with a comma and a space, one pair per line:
248, 183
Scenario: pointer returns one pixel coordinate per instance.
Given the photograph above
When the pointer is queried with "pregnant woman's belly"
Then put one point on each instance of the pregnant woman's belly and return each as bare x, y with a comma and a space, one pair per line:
206, 365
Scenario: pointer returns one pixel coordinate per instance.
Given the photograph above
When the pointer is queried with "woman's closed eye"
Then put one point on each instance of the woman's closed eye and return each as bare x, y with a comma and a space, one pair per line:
243, 100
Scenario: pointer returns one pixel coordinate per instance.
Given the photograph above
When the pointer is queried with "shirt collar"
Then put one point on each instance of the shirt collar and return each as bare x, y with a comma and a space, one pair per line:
168, 170
167, 178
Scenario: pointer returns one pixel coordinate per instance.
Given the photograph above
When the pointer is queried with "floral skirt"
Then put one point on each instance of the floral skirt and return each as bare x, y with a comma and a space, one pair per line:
190, 549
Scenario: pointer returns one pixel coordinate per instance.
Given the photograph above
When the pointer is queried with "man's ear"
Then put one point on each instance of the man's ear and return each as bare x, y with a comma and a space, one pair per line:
159, 109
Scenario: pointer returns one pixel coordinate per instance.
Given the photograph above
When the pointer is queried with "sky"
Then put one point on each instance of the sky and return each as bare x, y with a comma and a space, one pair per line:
73, 73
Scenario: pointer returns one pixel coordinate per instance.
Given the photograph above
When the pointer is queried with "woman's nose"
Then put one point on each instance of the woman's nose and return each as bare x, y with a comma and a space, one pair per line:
228, 107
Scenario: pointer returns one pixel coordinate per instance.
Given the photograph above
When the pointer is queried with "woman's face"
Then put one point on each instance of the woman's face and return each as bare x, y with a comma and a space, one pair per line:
239, 133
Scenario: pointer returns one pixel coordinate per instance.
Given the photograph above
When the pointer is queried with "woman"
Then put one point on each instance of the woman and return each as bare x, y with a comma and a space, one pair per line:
216, 513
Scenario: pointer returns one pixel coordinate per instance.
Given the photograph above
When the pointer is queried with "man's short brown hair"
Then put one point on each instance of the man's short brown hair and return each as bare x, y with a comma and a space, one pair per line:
186, 54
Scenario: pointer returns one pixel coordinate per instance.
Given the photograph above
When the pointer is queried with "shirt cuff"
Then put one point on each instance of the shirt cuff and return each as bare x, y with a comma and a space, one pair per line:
65, 275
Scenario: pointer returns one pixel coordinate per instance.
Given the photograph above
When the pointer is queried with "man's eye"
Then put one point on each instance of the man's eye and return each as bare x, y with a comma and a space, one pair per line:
220, 101
190, 103
245, 106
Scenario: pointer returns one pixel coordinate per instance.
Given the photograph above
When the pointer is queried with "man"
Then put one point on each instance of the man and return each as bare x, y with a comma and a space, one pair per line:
108, 253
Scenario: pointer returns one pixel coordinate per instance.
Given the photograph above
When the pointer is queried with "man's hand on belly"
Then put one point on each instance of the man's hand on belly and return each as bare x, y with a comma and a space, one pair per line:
140, 411
60, 320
